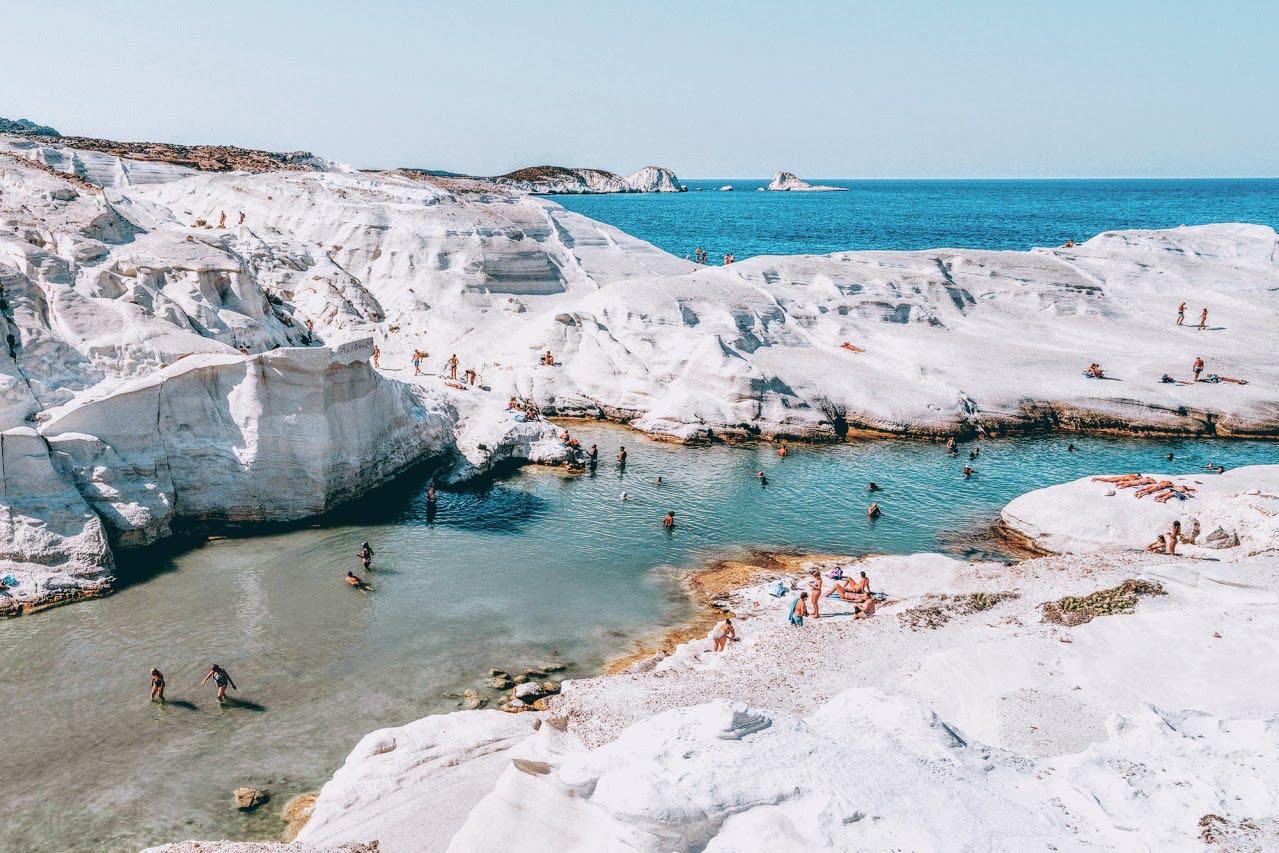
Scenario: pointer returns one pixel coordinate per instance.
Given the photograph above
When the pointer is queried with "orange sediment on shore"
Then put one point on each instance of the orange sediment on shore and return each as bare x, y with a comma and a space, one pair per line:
708, 588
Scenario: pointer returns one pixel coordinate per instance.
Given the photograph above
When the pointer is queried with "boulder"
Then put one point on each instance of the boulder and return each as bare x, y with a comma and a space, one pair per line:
248, 799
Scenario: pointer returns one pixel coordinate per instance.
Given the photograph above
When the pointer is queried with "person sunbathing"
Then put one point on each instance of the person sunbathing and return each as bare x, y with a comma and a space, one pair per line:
1095, 371
1179, 492
851, 347
1132, 484
866, 609
1152, 487
1116, 478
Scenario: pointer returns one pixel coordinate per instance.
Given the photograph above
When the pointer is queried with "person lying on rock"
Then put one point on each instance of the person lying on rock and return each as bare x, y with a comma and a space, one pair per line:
867, 608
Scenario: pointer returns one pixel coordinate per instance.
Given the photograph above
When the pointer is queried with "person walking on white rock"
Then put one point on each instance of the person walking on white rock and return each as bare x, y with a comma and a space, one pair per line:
220, 680
222, 220
1203, 319
418, 355
241, 217
1181, 314
377, 354
452, 365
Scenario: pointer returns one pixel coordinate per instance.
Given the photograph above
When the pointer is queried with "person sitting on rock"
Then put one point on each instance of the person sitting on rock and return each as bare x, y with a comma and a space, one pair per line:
1159, 546
866, 608
512, 404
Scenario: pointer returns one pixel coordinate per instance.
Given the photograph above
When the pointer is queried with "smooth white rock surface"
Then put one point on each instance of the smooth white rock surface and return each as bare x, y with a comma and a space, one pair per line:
789, 182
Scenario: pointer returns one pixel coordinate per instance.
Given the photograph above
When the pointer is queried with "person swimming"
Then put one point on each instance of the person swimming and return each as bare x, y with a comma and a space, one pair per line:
968, 471
659, 481
669, 521
220, 680
624, 497
762, 477
357, 582
872, 511
782, 451
873, 487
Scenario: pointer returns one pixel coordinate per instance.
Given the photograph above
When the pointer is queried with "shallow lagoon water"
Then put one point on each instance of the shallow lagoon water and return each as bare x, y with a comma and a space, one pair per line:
536, 568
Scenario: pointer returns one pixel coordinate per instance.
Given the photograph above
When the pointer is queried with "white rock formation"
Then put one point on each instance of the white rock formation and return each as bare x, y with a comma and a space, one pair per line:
788, 182
727, 188
993, 731
655, 179
116, 274
563, 180
1230, 516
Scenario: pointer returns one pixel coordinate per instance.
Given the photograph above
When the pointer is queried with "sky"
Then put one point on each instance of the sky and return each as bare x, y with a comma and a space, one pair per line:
709, 89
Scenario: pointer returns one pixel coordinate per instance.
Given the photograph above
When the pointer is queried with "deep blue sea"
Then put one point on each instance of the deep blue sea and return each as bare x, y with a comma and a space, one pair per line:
901, 214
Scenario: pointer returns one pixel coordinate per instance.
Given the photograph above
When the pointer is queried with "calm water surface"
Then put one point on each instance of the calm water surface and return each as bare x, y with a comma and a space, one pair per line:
921, 214
539, 567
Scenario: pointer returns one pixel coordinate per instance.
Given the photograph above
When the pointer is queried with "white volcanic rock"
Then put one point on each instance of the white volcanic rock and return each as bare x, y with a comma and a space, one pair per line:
993, 731
1231, 515
788, 182
655, 179
51, 543
377, 793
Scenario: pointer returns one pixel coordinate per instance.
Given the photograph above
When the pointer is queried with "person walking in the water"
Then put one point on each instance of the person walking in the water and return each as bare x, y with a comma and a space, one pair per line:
220, 680
453, 363
366, 555
593, 455
669, 521
872, 511
1181, 314
1203, 319
157, 685
621, 457
430, 493
1198, 367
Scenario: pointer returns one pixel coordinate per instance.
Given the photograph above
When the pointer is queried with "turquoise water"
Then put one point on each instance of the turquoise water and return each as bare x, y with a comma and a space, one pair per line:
539, 567
921, 214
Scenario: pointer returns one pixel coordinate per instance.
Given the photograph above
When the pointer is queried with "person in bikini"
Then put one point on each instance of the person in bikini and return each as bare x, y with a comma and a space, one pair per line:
220, 680
157, 685
452, 364
815, 587
721, 634
1203, 319
366, 555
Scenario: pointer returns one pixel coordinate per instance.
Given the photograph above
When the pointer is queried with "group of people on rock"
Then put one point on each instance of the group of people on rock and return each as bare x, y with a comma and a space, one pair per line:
1181, 317
700, 256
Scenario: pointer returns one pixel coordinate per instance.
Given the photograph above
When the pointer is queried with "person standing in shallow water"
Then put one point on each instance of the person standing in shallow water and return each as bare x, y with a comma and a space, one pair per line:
220, 680
157, 685
366, 555
621, 457
669, 521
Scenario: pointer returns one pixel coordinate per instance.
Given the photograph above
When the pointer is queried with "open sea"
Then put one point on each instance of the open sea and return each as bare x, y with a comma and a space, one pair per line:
901, 214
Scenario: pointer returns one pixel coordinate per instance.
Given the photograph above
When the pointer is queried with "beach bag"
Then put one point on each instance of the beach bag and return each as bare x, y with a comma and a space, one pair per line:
778, 589
836, 574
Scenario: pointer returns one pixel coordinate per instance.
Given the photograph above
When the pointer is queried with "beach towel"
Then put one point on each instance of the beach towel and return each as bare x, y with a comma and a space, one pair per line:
778, 589
9, 580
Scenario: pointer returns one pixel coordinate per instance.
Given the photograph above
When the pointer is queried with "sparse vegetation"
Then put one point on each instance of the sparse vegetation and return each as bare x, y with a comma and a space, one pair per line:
940, 609
1074, 610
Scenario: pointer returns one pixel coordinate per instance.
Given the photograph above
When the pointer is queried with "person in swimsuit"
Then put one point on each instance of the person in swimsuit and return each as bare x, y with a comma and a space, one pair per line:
157, 685
430, 493
815, 586
452, 364
950, 445
220, 680
873, 487
593, 456
1174, 536
357, 582
872, 511
1197, 368
1181, 314
659, 482
621, 457
1070, 448
366, 555
721, 634
669, 521
377, 353
782, 451
417, 363
1203, 319
867, 608
762, 477
1159, 546
799, 609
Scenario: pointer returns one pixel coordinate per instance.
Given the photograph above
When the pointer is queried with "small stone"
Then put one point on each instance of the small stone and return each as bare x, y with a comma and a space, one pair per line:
498, 673
550, 687
554, 667
515, 706
534, 674
248, 799
499, 682
472, 701
520, 679
542, 704
528, 690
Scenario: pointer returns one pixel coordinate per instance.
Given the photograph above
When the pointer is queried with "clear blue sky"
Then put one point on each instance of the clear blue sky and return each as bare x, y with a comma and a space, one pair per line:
710, 89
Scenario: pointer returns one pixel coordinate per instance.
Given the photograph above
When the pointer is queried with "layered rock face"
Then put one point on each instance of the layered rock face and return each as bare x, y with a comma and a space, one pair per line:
561, 180
655, 179
789, 182
132, 286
